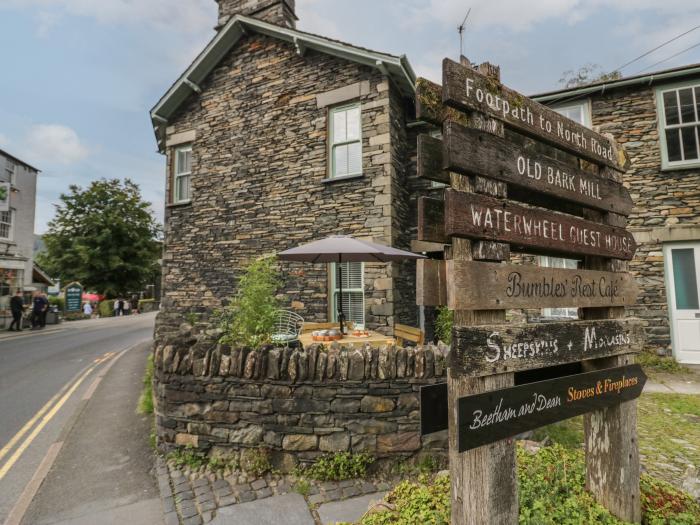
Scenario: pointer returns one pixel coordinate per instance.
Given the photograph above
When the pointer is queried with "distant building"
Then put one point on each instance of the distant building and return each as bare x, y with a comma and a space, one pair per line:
17, 208
656, 117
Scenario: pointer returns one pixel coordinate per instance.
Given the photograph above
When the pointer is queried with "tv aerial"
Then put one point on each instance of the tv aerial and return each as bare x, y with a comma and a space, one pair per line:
460, 29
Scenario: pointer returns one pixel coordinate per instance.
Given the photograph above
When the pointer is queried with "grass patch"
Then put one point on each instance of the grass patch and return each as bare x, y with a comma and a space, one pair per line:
551, 492
337, 467
146, 399
568, 433
655, 363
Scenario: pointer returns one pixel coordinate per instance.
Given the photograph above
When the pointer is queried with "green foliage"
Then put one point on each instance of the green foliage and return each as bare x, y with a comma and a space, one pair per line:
256, 461
303, 487
104, 236
146, 398
655, 363
188, 457
587, 74
250, 318
663, 504
568, 433
337, 467
551, 492
106, 308
443, 325
55, 300
551, 489
425, 502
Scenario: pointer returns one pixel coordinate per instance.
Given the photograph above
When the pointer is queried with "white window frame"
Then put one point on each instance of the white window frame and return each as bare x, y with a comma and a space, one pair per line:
333, 145
545, 261
583, 105
11, 169
661, 118
177, 199
335, 291
11, 229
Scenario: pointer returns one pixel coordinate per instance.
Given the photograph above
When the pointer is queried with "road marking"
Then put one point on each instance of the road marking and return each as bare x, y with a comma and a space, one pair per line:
30, 490
19, 509
48, 417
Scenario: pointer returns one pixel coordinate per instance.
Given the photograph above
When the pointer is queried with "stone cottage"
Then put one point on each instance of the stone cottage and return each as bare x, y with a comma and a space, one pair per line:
274, 137
656, 117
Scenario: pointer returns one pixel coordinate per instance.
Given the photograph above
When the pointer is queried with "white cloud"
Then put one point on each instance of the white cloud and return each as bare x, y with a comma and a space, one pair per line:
51, 144
189, 15
46, 20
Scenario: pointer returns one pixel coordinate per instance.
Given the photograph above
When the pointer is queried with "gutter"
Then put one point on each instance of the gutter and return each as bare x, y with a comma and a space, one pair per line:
587, 90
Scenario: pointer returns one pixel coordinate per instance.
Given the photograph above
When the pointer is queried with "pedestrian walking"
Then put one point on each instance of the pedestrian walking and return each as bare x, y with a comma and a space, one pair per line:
45, 310
39, 306
17, 309
127, 307
87, 309
116, 307
120, 307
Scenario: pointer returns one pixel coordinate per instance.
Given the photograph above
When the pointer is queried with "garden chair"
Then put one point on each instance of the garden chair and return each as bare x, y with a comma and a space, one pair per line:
287, 328
408, 334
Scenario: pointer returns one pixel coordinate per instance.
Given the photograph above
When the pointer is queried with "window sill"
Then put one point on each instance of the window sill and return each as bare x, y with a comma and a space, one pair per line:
339, 179
680, 167
178, 204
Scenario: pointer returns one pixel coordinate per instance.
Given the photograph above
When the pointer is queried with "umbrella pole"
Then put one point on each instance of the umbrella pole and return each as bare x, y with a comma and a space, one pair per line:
341, 317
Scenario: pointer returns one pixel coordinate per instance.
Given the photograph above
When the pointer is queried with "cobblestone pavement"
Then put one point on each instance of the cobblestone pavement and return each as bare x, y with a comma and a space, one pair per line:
195, 502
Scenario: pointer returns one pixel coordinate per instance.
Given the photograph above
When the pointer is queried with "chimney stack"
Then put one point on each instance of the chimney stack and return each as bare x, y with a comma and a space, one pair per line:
279, 12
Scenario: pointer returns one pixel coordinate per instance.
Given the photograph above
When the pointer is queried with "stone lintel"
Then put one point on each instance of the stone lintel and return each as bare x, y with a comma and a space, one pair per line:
181, 138
343, 94
676, 233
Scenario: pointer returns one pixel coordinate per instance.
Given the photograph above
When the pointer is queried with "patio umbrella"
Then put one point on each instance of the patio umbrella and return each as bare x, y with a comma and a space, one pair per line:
343, 248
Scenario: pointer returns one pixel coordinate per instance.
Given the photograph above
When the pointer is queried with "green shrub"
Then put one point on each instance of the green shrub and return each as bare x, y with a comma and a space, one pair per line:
256, 461
443, 325
106, 308
188, 457
250, 318
551, 490
337, 467
146, 399
57, 300
146, 305
656, 363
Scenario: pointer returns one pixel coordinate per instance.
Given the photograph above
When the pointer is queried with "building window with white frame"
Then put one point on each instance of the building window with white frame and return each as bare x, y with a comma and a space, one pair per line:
579, 111
353, 291
558, 262
6, 225
10, 172
345, 141
182, 174
679, 125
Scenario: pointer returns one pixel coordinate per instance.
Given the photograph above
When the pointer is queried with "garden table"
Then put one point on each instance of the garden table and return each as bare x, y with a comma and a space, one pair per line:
374, 339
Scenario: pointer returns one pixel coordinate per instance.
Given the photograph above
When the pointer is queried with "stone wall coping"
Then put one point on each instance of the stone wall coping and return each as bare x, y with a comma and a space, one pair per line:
674, 233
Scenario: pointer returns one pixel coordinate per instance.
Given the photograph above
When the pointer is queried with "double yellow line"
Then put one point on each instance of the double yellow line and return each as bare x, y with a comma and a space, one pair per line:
46, 413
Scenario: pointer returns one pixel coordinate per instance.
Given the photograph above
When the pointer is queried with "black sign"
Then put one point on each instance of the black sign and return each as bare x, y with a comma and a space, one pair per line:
433, 408
492, 416
74, 297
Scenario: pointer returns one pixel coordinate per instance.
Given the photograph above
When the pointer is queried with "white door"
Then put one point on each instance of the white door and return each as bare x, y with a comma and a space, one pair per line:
683, 275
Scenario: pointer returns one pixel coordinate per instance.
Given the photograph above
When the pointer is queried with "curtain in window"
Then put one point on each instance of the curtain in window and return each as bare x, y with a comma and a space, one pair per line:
353, 291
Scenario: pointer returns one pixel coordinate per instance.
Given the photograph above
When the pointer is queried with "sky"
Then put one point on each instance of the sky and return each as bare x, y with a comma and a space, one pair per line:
78, 77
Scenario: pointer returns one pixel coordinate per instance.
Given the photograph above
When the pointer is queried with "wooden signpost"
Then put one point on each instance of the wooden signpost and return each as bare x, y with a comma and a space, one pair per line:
500, 414
74, 297
499, 147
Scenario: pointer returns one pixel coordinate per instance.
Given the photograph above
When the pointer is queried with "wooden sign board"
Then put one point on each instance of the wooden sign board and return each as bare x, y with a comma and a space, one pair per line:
74, 297
431, 282
466, 89
480, 217
489, 286
486, 350
433, 408
492, 416
429, 160
431, 220
473, 152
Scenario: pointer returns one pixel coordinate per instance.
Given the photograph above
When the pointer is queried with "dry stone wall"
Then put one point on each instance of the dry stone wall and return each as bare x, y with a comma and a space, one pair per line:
296, 403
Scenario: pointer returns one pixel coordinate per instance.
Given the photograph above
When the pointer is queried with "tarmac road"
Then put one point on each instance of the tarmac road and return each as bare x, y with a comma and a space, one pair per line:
47, 379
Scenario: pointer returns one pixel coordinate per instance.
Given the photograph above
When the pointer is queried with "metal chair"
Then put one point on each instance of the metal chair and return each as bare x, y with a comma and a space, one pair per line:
287, 327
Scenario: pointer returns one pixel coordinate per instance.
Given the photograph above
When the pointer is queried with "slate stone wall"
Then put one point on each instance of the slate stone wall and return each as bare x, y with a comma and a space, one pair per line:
663, 199
298, 404
260, 160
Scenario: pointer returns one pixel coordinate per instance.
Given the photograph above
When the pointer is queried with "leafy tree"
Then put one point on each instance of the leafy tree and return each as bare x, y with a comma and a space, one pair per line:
104, 236
587, 74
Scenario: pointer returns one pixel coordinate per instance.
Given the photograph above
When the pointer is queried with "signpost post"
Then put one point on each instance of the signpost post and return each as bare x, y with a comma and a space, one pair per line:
74, 297
499, 147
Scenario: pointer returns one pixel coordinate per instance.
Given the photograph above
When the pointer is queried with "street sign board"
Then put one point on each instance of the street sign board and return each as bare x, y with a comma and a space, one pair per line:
74, 297
489, 286
496, 349
492, 416
466, 89
480, 217
475, 152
